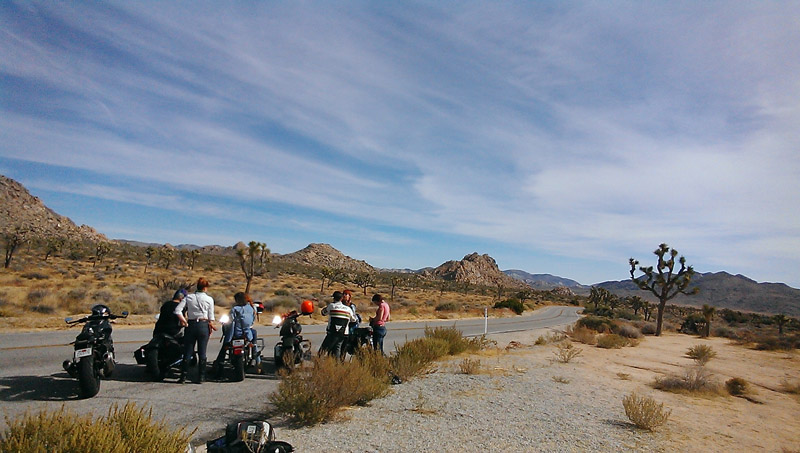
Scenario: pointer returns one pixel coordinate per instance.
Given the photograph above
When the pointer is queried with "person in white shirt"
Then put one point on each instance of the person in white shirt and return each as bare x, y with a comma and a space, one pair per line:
199, 323
339, 317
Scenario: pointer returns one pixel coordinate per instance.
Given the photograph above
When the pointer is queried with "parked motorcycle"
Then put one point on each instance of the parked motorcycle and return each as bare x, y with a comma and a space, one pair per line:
292, 348
163, 353
240, 352
93, 357
357, 338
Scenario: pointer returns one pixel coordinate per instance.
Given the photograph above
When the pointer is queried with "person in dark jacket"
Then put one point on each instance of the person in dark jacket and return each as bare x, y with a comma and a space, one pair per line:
168, 322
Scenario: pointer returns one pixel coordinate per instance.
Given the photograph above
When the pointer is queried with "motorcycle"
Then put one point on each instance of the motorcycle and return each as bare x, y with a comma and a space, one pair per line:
357, 338
93, 357
240, 352
163, 353
292, 348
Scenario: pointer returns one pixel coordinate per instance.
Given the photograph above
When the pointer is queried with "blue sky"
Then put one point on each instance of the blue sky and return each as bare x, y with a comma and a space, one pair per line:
557, 137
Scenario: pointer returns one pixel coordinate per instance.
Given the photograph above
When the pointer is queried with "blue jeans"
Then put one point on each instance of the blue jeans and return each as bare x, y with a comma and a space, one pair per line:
378, 333
197, 332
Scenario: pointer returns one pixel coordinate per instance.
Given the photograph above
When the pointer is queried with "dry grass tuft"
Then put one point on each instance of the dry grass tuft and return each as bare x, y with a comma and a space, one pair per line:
701, 353
737, 386
582, 335
612, 341
695, 380
624, 376
566, 351
645, 412
561, 379
470, 366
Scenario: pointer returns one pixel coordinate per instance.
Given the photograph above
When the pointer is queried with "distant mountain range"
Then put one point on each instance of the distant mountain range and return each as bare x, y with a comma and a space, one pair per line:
18, 208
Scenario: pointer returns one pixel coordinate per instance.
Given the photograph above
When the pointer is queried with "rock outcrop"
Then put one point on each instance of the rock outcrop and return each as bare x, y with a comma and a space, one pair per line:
475, 269
323, 255
21, 211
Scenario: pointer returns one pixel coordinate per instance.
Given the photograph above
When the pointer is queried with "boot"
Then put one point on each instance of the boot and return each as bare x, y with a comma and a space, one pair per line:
217, 370
184, 369
201, 372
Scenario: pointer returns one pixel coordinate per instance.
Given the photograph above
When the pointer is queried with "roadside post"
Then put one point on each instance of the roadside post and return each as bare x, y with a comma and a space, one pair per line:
485, 320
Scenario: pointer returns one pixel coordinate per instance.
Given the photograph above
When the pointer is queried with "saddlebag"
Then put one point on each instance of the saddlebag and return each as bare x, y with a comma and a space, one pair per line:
253, 436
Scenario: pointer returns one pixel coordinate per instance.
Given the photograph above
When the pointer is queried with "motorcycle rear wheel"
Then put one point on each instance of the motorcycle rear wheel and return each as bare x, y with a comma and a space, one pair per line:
153, 366
88, 377
238, 368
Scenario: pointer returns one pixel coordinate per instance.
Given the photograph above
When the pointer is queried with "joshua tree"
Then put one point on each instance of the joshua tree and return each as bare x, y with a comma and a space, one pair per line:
149, 254
13, 238
53, 246
664, 282
247, 260
637, 303
781, 321
193, 255
600, 297
326, 273
395, 280
364, 280
100, 251
708, 314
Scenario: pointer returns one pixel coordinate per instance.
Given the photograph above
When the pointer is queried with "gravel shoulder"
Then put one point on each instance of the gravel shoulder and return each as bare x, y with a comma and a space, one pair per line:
524, 401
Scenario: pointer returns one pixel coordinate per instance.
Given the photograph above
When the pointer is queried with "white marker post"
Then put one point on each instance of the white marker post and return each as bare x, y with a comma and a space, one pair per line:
485, 320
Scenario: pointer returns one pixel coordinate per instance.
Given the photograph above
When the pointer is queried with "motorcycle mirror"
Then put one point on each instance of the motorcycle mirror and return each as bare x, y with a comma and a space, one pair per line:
158, 315
68, 319
124, 313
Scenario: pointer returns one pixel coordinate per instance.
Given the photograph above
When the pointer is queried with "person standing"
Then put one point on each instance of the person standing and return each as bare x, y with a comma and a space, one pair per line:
168, 322
199, 323
378, 322
339, 317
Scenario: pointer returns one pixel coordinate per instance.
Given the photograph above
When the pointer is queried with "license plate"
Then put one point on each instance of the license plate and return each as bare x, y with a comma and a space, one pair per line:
238, 343
83, 352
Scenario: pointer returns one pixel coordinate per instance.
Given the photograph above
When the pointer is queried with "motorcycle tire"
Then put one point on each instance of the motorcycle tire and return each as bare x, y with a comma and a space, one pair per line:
278, 355
88, 377
238, 368
109, 367
153, 366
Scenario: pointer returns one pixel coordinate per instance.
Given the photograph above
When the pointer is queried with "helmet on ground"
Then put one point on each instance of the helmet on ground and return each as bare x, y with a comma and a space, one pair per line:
307, 307
100, 310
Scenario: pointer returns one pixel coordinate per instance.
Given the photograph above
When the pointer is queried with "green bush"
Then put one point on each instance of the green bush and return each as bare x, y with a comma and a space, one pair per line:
513, 304
737, 386
596, 323
447, 306
626, 330
696, 379
123, 430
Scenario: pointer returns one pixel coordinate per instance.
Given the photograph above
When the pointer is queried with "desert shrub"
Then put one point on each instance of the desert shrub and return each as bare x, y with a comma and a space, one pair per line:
103, 296
596, 323
737, 386
565, 352
281, 292
627, 330
648, 328
513, 304
582, 335
314, 394
645, 412
37, 295
447, 306
122, 430
416, 356
76, 294
724, 332
139, 299
552, 337
35, 276
701, 353
621, 313
281, 304
693, 324
774, 343
452, 336
560, 379
611, 341
469, 366
696, 379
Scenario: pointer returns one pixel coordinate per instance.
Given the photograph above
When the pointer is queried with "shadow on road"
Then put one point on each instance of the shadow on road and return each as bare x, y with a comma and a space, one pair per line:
56, 387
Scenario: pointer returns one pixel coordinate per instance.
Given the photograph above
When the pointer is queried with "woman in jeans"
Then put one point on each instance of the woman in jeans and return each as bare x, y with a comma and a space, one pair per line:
378, 322
199, 323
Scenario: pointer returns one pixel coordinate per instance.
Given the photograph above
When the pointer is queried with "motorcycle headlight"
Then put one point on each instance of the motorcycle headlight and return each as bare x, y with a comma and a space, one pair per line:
276, 320
224, 319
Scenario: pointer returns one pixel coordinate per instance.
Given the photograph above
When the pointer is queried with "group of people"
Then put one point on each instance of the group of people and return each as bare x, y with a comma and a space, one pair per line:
343, 318
195, 313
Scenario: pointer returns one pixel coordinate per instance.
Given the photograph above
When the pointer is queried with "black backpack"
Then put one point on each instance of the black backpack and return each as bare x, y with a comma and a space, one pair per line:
246, 437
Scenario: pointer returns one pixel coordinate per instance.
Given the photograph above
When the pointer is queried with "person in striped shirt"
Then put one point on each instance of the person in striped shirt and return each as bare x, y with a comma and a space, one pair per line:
339, 317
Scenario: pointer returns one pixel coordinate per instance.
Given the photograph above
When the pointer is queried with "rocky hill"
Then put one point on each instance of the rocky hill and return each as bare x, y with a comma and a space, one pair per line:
327, 256
476, 270
723, 290
20, 209
547, 281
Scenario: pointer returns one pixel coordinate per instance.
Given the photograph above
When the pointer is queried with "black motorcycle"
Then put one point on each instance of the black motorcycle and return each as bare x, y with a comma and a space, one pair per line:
240, 352
94, 350
293, 348
358, 338
163, 353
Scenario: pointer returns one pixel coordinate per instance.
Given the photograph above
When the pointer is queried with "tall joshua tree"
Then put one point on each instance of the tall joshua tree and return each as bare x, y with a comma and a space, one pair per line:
708, 313
248, 260
664, 282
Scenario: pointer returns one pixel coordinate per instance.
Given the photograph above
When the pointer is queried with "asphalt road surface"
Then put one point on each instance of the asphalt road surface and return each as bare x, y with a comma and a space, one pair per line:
32, 378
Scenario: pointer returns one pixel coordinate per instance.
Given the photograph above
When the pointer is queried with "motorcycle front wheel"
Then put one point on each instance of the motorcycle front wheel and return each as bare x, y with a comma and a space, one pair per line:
88, 377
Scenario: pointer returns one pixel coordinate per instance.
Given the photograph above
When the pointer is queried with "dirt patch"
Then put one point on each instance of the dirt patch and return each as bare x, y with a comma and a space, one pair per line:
769, 420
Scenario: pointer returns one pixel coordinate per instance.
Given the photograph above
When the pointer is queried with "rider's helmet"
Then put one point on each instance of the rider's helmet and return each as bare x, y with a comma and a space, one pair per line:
101, 310
307, 307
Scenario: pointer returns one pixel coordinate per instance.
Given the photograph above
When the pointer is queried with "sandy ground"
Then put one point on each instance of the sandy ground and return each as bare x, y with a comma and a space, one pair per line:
768, 421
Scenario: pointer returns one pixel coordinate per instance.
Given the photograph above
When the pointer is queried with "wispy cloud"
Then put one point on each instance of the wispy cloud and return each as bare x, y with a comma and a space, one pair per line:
585, 131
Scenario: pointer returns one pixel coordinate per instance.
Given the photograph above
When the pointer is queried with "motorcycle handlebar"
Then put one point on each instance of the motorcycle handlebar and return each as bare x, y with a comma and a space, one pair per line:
93, 317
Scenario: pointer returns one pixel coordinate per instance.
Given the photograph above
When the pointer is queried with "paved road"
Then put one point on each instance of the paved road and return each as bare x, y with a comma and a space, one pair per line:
31, 376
